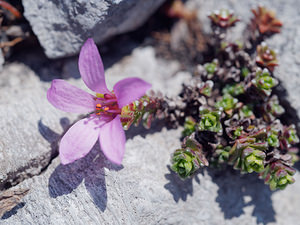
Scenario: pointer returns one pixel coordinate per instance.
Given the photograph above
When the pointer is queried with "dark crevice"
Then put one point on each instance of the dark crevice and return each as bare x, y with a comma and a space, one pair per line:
42, 163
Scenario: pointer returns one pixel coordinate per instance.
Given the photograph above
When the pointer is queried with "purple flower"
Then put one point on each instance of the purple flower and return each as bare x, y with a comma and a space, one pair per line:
104, 108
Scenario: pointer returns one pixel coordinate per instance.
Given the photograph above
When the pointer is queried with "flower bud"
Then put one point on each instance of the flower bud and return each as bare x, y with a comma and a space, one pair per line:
223, 18
248, 154
210, 69
246, 112
253, 160
265, 21
245, 72
278, 175
266, 57
185, 162
206, 89
264, 82
210, 121
290, 134
273, 139
189, 126
233, 89
143, 109
227, 102
272, 109
222, 154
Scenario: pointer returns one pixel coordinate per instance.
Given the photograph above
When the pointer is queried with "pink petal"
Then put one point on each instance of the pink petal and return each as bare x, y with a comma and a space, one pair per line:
112, 140
91, 67
69, 98
79, 139
129, 90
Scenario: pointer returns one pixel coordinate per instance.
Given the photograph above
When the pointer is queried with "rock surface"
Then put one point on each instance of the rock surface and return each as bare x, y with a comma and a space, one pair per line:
63, 26
92, 191
24, 110
31, 127
143, 190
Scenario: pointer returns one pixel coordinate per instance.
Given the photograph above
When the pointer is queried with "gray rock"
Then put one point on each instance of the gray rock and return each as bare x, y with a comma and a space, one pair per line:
26, 146
30, 126
143, 190
2, 60
63, 26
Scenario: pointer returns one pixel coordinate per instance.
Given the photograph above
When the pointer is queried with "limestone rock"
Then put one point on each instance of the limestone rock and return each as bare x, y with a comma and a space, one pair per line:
143, 190
63, 26
24, 150
2, 60
30, 127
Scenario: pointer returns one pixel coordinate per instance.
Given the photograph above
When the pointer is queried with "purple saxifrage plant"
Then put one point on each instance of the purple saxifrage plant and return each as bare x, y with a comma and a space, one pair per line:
104, 108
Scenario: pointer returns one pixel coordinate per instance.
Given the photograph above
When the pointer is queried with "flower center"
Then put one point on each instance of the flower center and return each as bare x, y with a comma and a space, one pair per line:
106, 105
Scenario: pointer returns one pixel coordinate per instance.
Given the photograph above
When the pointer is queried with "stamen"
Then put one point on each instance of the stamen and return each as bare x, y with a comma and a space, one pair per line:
106, 105
114, 111
98, 95
110, 101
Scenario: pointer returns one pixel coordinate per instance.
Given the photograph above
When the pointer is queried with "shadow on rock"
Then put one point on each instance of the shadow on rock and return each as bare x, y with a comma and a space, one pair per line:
239, 191
13, 211
179, 188
90, 170
156, 126
290, 116
51, 136
297, 166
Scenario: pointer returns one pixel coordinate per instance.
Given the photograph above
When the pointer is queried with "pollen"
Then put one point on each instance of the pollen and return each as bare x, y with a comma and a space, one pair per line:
98, 95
